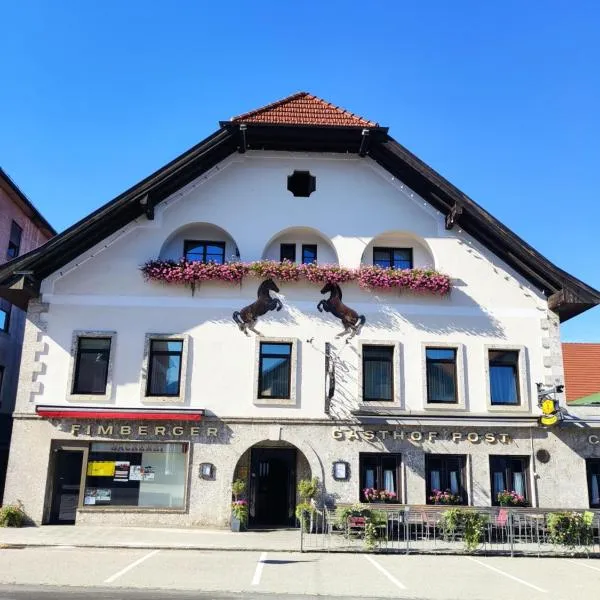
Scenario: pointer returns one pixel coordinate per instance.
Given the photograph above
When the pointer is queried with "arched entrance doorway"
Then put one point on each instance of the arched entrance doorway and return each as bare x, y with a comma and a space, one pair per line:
271, 471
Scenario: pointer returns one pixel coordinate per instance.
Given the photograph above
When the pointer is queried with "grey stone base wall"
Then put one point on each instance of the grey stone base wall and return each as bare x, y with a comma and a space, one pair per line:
560, 482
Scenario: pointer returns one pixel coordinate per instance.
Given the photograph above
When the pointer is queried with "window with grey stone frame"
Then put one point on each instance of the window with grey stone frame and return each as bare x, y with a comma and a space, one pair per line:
461, 391
293, 399
183, 383
108, 392
397, 375
523, 375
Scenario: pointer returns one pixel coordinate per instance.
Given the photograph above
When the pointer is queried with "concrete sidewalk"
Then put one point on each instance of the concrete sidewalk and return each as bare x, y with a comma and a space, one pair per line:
147, 537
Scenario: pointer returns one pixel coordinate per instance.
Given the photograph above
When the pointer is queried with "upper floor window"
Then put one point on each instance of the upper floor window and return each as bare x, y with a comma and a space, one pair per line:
443, 473
441, 375
395, 258
274, 370
204, 251
504, 377
309, 253
164, 367
509, 473
593, 474
14, 242
287, 252
378, 372
380, 472
91, 365
5, 309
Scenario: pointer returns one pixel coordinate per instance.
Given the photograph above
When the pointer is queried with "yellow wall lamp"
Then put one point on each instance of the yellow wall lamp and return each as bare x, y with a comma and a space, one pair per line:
547, 401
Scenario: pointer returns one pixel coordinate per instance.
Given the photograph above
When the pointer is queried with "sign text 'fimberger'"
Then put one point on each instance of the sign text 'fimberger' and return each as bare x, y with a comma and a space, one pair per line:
371, 435
143, 430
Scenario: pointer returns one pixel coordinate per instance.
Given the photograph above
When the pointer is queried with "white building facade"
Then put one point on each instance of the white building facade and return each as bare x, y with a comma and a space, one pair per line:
140, 399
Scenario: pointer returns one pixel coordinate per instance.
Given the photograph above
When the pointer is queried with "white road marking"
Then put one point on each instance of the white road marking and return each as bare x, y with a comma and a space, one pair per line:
134, 564
582, 564
397, 583
259, 569
535, 587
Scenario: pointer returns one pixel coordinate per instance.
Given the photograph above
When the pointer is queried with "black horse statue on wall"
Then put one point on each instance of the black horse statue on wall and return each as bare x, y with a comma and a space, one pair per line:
351, 320
247, 317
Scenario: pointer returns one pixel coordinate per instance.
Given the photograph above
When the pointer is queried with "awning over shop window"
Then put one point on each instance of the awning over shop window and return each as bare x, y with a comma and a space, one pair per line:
129, 414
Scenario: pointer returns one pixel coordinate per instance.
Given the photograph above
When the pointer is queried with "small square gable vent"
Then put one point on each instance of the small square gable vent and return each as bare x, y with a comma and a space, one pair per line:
301, 183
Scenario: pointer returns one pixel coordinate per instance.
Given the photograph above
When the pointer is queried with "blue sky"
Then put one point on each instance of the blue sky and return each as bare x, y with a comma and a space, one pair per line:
501, 98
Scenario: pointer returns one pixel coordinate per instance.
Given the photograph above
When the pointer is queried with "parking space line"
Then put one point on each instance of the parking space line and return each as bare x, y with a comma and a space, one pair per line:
397, 583
535, 587
259, 569
134, 564
582, 564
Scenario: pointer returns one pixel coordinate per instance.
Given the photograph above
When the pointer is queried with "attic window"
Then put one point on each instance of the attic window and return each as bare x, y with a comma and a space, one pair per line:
301, 183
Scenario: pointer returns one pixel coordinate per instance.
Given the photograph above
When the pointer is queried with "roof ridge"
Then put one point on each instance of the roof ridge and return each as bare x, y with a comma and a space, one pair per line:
275, 104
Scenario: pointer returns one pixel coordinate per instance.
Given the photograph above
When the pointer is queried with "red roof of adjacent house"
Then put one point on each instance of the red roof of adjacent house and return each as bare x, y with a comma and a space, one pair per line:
304, 109
582, 370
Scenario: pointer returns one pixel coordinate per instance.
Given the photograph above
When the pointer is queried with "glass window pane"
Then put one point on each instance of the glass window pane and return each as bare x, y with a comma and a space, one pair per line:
165, 372
441, 353
288, 252
275, 377
3, 320
279, 349
402, 258
506, 357
503, 385
309, 254
91, 368
94, 344
441, 382
167, 345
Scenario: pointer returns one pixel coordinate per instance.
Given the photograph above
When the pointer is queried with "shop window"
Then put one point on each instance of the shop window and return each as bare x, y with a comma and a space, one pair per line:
91, 365
393, 258
441, 375
164, 367
203, 251
380, 472
309, 254
274, 370
14, 242
511, 474
593, 474
377, 371
504, 377
131, 474
445, 472
287, 252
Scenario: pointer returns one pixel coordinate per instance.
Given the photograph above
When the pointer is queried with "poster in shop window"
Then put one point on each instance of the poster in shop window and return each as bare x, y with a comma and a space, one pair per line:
103, 496
101, 468
139, 473
122, 470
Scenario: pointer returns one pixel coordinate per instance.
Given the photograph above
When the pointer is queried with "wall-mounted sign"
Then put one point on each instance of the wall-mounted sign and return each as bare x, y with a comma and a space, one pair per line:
141, 431
417, 436
341, 470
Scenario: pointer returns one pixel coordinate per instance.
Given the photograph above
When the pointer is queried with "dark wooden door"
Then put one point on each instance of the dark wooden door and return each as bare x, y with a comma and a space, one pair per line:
65, 491
272, 487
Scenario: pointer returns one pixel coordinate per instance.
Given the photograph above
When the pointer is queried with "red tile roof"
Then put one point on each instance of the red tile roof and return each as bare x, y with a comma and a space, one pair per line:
582, 369
304, 109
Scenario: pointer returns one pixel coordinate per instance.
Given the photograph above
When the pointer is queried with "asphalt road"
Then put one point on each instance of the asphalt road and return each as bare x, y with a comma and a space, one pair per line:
92, 573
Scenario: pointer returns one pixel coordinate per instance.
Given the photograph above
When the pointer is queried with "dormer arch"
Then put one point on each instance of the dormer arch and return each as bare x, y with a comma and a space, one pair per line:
200, 241
301, 244
399, 249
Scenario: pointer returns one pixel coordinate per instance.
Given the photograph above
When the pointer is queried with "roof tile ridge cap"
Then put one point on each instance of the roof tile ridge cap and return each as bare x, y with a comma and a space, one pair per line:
343, 110
270, 106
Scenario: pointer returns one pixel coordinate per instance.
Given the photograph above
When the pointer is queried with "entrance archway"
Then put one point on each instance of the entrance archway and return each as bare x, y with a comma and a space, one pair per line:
271, 470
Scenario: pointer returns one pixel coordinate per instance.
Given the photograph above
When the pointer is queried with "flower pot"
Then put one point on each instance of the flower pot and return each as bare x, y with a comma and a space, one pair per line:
237, 525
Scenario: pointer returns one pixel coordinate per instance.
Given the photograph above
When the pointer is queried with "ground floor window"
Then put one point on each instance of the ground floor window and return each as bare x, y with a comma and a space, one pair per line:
445, 477
510, 474
379, 477
593, 474
136, 474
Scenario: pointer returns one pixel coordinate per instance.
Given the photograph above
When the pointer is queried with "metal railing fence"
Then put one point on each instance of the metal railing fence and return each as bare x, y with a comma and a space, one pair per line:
453, 530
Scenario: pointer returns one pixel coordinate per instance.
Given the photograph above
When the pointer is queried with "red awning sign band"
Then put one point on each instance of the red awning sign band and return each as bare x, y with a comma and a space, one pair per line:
51, 412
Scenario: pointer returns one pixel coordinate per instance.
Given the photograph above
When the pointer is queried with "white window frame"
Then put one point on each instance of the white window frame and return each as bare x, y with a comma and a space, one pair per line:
461, 391
293, 399
524, 396
183, 382
108, 392
397, 378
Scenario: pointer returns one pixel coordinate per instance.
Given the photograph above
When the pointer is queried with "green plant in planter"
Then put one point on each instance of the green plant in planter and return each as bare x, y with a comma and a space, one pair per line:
470, 522
356, 510
308, 488
12, 515
304, 513
375, 529
570, 529
238, 487
239, 509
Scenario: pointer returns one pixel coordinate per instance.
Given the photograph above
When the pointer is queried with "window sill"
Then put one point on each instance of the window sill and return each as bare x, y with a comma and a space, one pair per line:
100, 398
163, 399
130, 509
509, 408
275, 401
445, 406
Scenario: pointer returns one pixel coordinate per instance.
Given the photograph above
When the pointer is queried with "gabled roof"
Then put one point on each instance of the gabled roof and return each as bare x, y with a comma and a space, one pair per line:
25, 204
582, 372
20, 279
304, 109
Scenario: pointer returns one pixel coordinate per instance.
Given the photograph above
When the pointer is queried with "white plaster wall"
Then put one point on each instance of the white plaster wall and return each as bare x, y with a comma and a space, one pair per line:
246, 196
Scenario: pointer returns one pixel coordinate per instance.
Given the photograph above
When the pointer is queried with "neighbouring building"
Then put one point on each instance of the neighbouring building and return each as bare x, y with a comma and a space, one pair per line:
145, 390
22, 228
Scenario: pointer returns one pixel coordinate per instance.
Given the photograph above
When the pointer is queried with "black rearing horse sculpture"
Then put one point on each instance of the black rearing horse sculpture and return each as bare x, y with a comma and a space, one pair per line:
247, 317
350, 318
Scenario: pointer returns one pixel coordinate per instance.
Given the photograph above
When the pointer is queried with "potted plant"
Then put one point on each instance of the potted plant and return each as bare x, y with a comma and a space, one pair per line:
444, 497
511, 498
375, 495
305, 510
239, 507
